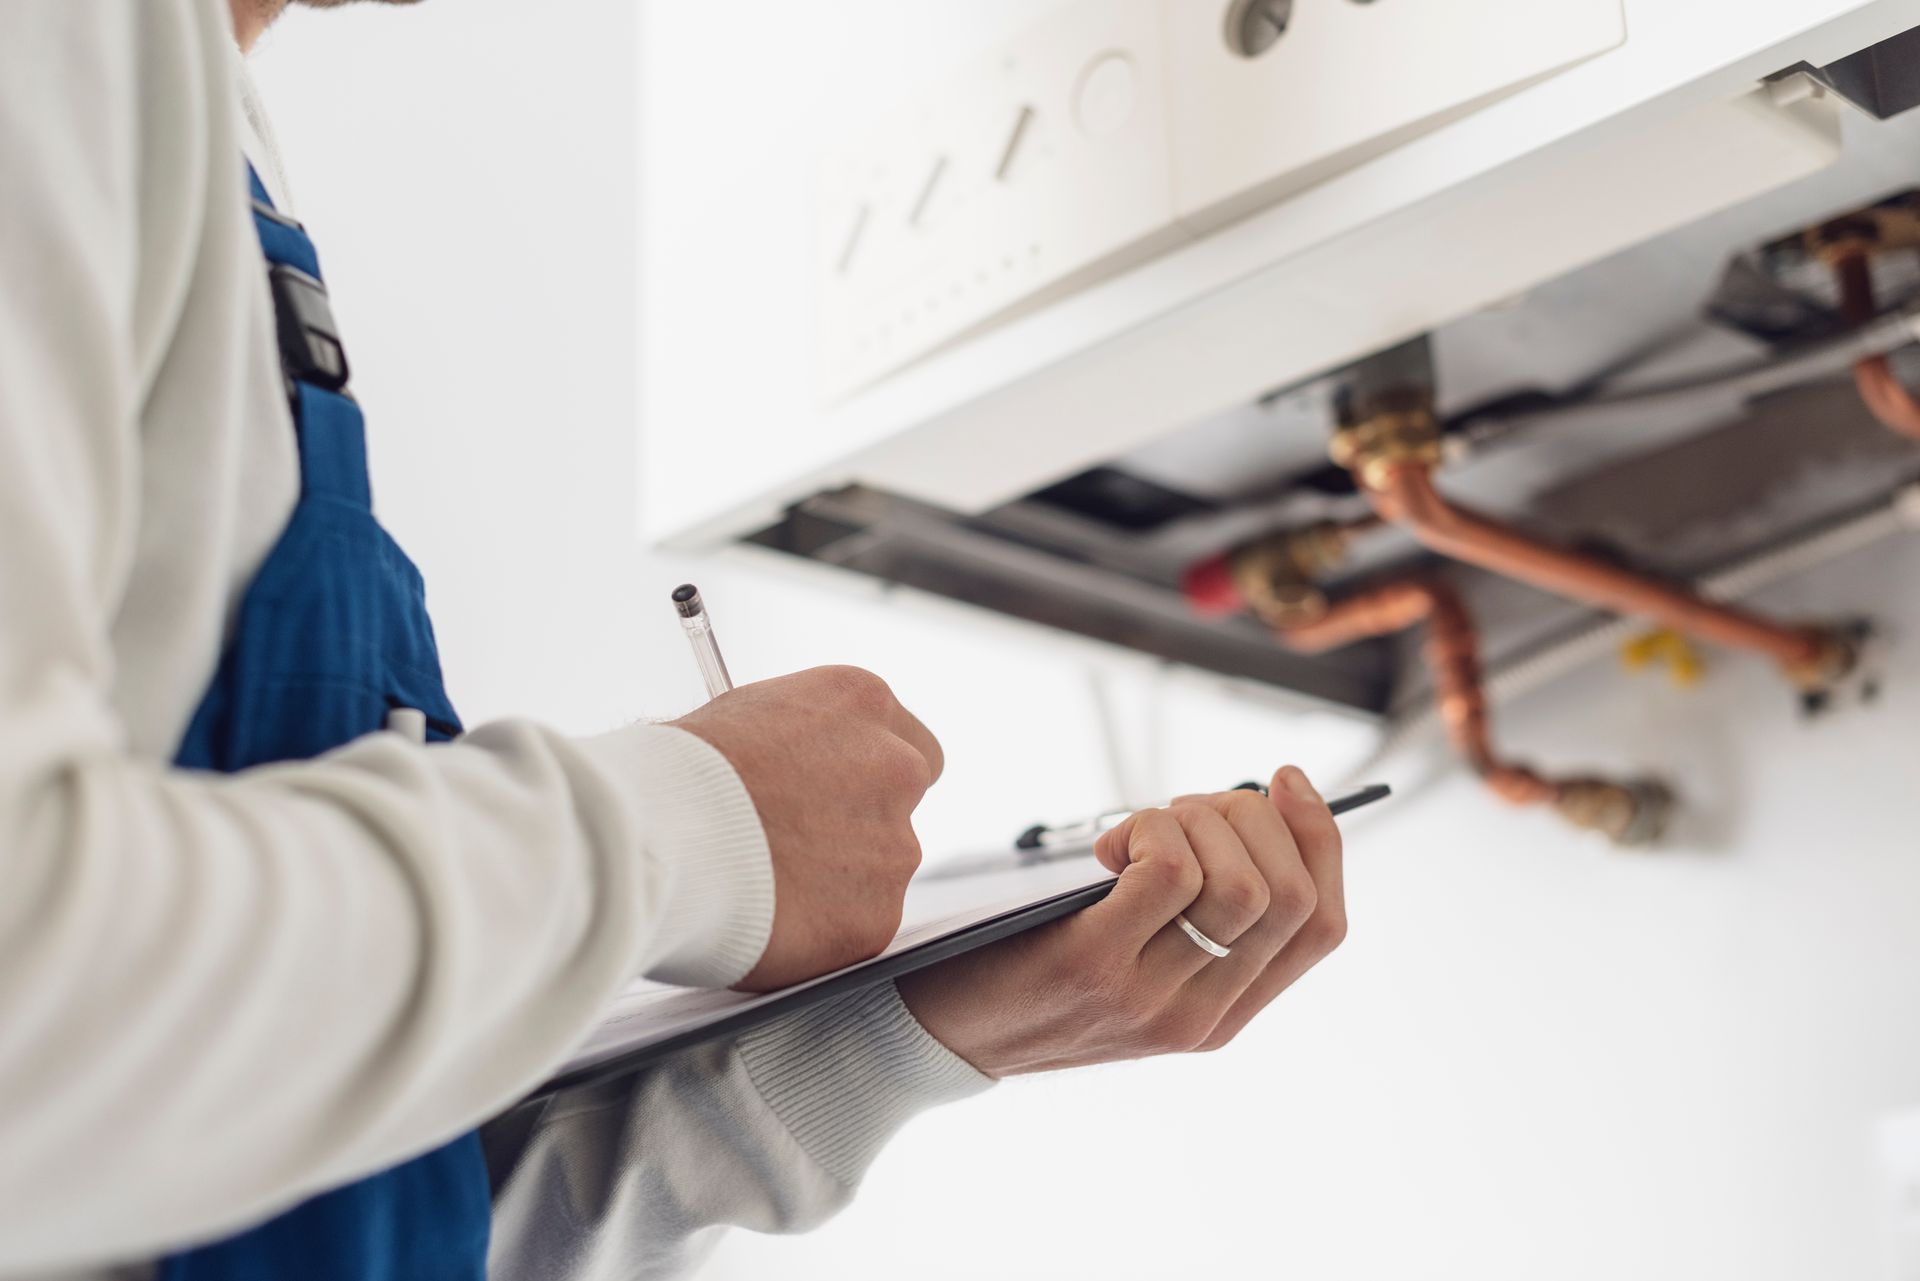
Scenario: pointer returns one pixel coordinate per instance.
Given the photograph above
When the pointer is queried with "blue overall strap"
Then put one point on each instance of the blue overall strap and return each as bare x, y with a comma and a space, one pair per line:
331, 634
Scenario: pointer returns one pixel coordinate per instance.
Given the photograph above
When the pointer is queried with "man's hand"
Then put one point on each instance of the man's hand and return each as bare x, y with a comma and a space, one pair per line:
835, 767
1119, 980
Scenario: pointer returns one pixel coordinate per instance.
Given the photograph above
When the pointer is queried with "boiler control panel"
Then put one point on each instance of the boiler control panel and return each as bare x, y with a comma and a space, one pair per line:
1113, 129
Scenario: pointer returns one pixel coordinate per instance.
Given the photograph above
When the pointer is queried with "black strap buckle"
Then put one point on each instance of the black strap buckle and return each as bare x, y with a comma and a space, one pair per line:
310, 348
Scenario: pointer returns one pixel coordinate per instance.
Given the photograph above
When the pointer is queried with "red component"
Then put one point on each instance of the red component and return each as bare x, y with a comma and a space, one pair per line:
1209, 588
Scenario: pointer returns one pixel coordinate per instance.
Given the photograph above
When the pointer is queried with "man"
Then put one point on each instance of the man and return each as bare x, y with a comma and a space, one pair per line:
263, 968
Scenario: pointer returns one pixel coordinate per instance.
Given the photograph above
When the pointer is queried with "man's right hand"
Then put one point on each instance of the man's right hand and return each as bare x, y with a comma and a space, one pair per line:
835, 766
1262, 875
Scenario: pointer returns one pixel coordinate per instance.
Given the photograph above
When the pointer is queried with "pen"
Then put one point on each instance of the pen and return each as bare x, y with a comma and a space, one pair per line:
698, 625
1043, 844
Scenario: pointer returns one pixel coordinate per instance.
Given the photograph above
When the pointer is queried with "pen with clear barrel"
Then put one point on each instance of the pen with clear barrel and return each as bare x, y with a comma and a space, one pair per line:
698, 625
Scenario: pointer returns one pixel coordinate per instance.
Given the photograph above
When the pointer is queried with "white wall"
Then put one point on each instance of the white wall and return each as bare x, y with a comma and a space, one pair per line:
1534, 1058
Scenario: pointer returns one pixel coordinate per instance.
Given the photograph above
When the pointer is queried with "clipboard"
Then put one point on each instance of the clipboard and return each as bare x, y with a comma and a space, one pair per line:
1043, 881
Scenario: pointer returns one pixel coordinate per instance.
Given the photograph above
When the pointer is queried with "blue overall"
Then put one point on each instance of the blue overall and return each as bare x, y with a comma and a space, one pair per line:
331, 636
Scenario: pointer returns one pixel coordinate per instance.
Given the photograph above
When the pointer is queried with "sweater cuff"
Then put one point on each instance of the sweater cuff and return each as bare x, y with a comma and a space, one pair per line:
701, 834
845, 1074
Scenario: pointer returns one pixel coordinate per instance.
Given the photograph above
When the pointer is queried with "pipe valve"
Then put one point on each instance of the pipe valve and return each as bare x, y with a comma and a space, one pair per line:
1276, 576
1632, 814
1396, 428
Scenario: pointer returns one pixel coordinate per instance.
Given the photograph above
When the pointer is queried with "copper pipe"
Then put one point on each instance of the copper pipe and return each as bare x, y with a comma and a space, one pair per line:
1452, 654
1885, 395
1630, 813
1403, 492
1382, 611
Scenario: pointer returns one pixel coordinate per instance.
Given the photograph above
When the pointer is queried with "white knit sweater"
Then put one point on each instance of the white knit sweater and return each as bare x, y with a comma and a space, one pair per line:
221, 995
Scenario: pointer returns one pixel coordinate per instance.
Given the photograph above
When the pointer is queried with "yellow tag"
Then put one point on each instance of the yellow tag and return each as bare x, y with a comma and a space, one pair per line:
1666, 648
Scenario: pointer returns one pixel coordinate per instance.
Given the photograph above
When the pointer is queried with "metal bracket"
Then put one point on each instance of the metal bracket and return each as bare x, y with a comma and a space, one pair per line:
1882, 80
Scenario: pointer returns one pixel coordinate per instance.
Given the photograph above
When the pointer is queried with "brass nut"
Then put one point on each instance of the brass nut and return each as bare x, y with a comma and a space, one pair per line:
1833, 660
1344, 449
1838, 241
1633, 813
1274, 583
1890, 225
1277, 575
1319, 547
1403, 430
1292, 604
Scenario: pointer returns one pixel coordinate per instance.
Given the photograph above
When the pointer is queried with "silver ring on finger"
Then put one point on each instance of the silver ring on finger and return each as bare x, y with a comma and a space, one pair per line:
1200, 940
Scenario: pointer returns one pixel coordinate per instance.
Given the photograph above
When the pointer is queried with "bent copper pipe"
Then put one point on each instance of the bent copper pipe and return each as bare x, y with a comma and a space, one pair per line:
1382, 611
1451, 651
1885, 395
1404, 493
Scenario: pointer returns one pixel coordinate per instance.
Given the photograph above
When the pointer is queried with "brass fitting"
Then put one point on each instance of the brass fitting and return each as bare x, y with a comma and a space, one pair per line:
1832, 661
1891, 224
1633, 813
1276, 575
1834, 242
1392, 429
